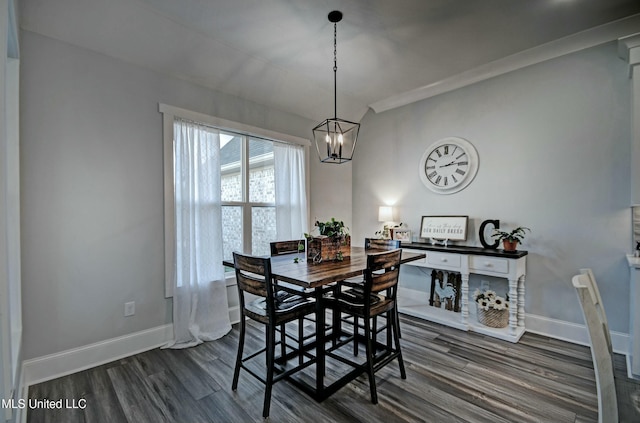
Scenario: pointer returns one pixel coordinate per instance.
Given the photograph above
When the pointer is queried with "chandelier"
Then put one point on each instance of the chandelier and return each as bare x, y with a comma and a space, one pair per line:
336, 138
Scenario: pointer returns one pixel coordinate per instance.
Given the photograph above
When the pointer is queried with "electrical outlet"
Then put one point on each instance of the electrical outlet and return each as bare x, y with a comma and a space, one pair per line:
484, 285
130, 308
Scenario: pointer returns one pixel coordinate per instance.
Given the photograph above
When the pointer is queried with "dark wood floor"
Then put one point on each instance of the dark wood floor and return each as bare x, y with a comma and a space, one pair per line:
452, 376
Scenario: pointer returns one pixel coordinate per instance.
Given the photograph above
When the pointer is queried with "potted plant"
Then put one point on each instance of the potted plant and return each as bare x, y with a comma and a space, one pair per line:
333, 243
511, 239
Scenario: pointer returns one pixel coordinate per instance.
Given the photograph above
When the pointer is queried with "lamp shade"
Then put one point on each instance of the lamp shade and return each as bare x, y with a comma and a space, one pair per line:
385, 214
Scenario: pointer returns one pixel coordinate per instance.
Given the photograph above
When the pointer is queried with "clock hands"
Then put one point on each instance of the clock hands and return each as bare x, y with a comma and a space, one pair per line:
450, 164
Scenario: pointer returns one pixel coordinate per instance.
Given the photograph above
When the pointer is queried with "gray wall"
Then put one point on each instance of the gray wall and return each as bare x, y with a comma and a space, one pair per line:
92, 194
554, 145
91, 179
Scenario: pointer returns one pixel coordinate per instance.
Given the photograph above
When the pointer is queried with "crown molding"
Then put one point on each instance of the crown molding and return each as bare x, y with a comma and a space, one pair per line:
582, 40
629, 50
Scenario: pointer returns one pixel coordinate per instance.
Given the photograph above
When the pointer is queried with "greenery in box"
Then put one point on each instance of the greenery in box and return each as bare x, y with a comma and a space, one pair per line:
333, 242
334, 229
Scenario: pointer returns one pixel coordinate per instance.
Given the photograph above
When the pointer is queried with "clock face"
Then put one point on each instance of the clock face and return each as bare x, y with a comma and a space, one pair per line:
449, 165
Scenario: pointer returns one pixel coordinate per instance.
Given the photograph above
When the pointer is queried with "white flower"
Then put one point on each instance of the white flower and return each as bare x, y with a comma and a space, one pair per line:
499, 303
488, 300
476, 294
484, 304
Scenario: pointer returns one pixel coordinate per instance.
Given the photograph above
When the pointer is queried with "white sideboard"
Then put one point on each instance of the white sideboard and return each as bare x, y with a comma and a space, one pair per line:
466, 261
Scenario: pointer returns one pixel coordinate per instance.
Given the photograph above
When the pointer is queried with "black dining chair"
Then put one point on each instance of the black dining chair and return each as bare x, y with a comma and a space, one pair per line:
378, 297
274, 308
358, 282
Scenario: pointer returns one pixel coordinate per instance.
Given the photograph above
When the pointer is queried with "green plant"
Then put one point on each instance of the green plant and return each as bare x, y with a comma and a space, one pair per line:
516, 235
334, 229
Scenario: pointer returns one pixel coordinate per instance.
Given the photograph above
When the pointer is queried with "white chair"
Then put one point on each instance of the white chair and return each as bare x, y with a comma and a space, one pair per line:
601, 349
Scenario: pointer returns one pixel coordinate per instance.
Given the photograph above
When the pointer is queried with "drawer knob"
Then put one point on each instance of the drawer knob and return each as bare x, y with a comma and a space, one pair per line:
487, 264
444, 259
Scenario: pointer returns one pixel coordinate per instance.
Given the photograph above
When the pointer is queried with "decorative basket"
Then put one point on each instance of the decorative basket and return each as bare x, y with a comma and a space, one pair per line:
492, 317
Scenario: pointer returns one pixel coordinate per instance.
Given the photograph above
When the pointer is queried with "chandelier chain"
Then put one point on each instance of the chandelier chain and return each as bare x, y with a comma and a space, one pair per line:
335, 70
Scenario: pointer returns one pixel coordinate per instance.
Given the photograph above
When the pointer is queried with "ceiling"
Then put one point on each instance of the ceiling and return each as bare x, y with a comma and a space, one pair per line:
279, 53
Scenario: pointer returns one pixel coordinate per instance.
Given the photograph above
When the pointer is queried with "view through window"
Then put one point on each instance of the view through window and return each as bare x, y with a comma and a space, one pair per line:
248, 194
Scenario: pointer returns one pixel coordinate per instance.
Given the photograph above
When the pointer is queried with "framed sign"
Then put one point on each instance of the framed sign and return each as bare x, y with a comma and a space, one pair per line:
402, 235
453, 228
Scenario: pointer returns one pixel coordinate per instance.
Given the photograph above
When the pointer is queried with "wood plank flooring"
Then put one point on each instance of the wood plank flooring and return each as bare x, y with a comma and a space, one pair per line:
452, 376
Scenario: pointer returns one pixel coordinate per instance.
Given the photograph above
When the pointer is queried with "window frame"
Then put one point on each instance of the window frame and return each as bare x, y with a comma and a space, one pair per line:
169, 113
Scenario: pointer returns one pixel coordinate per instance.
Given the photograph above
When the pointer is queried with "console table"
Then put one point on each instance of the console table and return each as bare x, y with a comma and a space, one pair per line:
468, 260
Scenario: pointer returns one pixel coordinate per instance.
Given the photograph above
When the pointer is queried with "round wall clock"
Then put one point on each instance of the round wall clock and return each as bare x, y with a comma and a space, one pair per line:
448, 165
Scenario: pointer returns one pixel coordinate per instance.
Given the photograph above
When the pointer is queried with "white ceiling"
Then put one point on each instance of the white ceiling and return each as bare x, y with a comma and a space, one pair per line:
279, 53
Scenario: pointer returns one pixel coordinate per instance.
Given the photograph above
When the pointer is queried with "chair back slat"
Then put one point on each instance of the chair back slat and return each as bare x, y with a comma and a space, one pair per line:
383, 270
381, 244
252, 274
287, 247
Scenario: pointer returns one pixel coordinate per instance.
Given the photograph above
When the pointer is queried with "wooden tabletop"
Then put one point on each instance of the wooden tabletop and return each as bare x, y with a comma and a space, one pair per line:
311, 275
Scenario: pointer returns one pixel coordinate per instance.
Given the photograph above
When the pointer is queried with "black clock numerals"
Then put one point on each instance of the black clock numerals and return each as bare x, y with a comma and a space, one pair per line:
448, 165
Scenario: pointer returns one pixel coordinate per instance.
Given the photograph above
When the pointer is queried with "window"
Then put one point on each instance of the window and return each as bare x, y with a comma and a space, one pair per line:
262, 186
248, 194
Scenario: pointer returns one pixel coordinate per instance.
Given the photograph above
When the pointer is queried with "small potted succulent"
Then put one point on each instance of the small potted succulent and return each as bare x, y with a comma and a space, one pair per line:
510, 240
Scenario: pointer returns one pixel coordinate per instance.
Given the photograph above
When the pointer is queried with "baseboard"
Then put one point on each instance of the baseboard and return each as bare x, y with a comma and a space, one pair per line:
77, 359
74, 360
234, 314
572, 332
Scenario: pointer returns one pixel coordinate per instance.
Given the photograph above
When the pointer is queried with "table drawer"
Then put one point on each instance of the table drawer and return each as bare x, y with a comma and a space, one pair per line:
440, 259
489, 264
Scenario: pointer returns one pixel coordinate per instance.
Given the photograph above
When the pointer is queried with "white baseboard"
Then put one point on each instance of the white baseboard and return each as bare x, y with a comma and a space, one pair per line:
234, 314
572, 332
77, 359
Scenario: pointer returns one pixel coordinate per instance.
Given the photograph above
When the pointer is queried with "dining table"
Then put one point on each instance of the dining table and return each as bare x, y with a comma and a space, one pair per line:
314, 278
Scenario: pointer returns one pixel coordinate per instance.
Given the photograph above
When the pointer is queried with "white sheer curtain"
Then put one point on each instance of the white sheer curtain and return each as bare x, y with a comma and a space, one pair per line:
291, 195
200, 309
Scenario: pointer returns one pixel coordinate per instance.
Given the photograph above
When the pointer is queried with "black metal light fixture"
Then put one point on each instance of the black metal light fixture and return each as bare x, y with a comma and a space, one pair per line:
336, 138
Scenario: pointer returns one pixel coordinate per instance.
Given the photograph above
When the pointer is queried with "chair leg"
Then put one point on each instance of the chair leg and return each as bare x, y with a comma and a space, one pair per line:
355, 335
396, 338
271, 351
300, 339
236, 371
375, 334
283, 340
398, 320
369, 352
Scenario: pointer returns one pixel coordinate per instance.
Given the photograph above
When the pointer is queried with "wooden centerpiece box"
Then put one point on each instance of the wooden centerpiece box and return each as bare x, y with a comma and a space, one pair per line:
333, 243
328, 248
